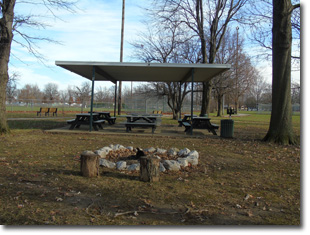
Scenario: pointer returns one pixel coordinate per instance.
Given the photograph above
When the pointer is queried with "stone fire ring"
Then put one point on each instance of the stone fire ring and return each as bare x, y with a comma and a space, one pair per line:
182, 158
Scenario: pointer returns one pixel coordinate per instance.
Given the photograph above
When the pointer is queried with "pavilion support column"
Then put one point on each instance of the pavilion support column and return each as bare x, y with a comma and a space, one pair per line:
92, 99
180, 97
192, 100
115, 98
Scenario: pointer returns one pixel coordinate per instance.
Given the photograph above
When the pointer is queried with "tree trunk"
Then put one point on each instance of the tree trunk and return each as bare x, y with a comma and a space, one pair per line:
149, 169
280, 129
219, 105
6, 36
206, 98
89, 164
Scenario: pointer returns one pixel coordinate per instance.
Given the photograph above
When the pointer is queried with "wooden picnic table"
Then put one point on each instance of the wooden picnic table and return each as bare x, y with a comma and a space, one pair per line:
106, 116
84, 119
186, 118
200, 123
141, 121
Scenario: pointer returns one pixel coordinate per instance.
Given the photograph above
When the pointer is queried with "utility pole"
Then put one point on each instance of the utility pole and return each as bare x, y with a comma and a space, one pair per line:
237, 58
121, 60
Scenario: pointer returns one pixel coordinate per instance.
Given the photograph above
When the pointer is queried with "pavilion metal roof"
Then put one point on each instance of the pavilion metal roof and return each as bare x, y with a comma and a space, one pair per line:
143, 72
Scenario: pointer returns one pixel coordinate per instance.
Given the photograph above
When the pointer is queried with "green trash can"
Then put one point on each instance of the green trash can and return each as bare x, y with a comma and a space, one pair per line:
227, 128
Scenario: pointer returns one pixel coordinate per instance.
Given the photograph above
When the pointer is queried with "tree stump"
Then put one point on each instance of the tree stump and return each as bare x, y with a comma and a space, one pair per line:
149, 169
89, 164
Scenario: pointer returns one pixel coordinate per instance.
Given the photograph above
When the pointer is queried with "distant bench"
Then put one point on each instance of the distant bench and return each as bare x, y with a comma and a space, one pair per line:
47, 111
157, 112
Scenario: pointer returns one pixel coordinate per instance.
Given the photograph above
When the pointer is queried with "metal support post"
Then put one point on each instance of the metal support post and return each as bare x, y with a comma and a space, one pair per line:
180, 97
115, 98
192, 101
92, 99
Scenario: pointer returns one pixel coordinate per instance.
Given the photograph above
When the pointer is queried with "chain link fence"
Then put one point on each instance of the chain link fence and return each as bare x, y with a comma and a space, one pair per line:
136, 105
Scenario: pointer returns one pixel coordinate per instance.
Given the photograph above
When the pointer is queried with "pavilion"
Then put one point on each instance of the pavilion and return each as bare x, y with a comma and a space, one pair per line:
143, 72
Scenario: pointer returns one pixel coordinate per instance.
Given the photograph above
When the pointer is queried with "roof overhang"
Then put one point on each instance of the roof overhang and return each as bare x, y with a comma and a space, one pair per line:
144, 72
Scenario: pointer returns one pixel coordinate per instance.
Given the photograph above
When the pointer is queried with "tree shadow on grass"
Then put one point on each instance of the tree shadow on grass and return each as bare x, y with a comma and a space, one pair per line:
36, 124
119, 175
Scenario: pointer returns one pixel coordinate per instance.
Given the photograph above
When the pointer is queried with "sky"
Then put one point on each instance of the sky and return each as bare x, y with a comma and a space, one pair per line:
92, 33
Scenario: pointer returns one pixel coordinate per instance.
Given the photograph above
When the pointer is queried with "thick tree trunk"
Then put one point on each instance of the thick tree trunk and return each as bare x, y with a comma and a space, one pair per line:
280, 129
6, 36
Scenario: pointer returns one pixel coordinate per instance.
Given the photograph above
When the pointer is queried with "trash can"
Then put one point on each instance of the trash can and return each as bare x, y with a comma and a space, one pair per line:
227, 128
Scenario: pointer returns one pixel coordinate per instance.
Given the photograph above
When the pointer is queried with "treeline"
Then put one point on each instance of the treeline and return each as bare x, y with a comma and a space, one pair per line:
259, 92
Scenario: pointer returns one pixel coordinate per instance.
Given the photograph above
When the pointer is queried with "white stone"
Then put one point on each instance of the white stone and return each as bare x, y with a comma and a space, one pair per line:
171, 165
150, 150
119, 146
121, 165
184, 152
161, 167
193, 153
192, 160
101, 153
116, 147
133, 167
106, 163
130, 148
173, 151
106, 149
161, 151
183, 162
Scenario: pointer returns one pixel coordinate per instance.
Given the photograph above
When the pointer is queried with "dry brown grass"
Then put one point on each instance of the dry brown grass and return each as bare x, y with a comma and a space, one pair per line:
237, 181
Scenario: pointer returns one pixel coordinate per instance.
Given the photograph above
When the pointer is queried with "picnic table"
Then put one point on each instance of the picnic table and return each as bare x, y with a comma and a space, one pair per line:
84, 119
106, 116
141, 121
200, 123
186, 118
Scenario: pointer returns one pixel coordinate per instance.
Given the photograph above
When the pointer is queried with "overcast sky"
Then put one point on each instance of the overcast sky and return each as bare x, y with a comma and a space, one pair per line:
90, 34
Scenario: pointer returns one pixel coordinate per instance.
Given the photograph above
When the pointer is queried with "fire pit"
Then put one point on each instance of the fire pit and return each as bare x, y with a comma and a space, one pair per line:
127, 158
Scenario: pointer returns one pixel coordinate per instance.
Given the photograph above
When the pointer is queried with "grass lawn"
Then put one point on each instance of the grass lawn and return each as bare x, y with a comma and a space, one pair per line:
238, 181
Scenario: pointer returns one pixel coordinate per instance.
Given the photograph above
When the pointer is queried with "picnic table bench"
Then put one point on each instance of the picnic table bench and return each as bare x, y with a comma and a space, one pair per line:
107, 116
130, 125
200, 123
142, 121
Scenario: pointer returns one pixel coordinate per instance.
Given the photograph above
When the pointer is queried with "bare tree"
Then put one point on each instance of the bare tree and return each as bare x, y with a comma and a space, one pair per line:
258, 90
281, 128
64, 96
296, 93
167, 44
223, 84
30, 92
258, 19
51, 91
83, 93
212, 16
10, 24
71, 95
11, 87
